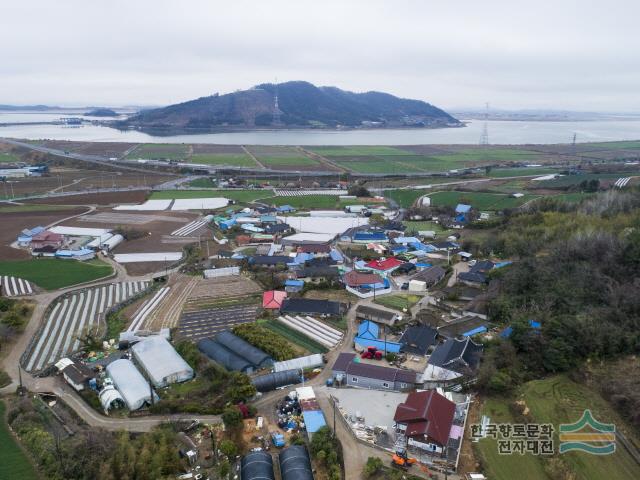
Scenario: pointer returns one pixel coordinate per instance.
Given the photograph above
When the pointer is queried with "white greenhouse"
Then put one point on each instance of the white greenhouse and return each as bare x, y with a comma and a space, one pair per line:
130, 383
310, 361
160, 361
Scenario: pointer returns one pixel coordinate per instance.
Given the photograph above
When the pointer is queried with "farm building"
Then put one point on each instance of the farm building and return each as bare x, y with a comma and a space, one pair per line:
75, 374
307, 238
26, 235
430, 275
110, 398
368, 237
477, 274
426, 419
82, 254
131, 384
271, 381
46, 239
112, 242
257, 466
314, 329
293, 286
457, 355
226, 358
385, 266
273, 299
264, 260
311, 306
160, 361
244, 349
309, 361
377, 315
363, 375
295, 463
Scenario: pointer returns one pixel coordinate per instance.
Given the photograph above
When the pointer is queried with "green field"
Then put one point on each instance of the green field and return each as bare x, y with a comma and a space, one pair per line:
34, 208
479, 200
160, 151
280, 156
53, 273
232, 160
8, 157
424, 225
556, 400
405, 198
398, 302
570, 180
377, 165
14, 463
238, 195
287, 161
294, 336
520, 172
357, 151
315, 202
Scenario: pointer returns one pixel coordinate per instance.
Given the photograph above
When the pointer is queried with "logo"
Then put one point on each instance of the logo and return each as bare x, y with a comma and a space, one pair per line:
598, 439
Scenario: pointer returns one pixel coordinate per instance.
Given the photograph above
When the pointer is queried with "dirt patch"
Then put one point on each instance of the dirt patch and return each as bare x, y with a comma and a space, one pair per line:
13, 223
96, 198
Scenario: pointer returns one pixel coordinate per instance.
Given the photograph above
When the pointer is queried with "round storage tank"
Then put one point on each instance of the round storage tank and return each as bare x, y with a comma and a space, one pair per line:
257, 466
295, 463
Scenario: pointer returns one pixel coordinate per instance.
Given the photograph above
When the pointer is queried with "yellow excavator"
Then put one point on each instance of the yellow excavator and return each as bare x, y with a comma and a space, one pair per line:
403, 461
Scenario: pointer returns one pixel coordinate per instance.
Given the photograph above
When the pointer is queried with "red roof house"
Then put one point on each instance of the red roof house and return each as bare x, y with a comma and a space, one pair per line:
355, 279
426, 417
46, 239
273, 299
386, 265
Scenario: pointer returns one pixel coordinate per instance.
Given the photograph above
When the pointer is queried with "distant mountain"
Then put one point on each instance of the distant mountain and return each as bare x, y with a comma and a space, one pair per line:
101, 112
300, 104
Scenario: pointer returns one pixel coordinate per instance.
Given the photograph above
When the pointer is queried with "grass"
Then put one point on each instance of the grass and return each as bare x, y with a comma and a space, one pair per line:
357, 151
520, 172
155, 151
232, 160
405, 198
238, 195
557, 400
398, 302
570, 180
316, 202
295, 337
291, 161
52, 273
34, 208
377, 165
8, 157
15, 463
424, 225
479, 200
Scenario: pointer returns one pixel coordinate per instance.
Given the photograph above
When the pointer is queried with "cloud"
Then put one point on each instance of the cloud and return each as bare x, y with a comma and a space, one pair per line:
549, 54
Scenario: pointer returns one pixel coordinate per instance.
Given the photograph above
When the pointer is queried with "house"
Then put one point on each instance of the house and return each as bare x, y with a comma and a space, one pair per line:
82, 254
382, 317
316, 274
425, 419
356, 279
363, 375
264, 260
430, 275
311, 306
76, 374
463, 213
368, 330
393, 226
368, 336
385, 266
293, 286
418, 339
477, 274
316, 249
46, 251
47, 239
369, 237
336, 256
405, 268
457, 355
273, 299
26, 235
285, 209
445, 246
277, 228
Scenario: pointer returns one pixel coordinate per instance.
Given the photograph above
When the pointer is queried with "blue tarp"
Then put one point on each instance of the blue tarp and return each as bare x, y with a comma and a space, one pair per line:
405, 240
336, 255
286, 208
506, 333
502, 264
461, 218
368, 330
379, 344
226, 224
397, 249
423, 265
370, 237
313, 420
268, 219
463, 208
303, 257
294, 283
475, 331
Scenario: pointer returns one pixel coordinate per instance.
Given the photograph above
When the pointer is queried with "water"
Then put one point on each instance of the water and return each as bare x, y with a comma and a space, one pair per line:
500, 133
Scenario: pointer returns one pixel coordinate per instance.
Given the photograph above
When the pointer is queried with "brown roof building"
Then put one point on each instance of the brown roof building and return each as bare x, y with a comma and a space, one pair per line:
426, 417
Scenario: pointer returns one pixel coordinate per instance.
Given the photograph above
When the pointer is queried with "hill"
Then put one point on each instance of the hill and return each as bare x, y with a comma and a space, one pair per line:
101, 112
301, 104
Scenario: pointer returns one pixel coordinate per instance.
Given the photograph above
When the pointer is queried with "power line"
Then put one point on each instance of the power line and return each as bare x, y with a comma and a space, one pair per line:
484, 136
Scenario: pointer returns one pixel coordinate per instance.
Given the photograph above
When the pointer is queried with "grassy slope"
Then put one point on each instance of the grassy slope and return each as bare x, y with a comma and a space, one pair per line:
52, 273
14, 463
557, 400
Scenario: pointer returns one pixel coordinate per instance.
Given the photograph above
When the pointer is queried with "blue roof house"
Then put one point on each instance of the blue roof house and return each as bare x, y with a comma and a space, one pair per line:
368, 330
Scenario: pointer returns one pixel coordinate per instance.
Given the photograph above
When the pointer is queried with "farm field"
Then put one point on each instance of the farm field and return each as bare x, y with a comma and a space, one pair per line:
398, 302
570, 180
6, 157
238, 195
405, 198
417, 226
158, 151
317, 202
231, 160
556, 400
34, 208
284, 158
15, 463
199, 324
362, 150
69, 317
479, 200
523, 171
295, 337
53, 273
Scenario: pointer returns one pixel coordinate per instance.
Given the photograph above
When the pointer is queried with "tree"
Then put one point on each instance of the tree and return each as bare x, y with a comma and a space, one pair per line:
373, 466
232, 417
228, 448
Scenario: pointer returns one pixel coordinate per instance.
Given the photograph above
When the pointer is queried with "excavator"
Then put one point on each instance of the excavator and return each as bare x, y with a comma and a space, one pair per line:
401, 460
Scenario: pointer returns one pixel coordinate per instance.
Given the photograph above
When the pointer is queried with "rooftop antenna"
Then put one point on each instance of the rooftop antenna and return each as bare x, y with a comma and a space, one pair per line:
484, 137
276, 107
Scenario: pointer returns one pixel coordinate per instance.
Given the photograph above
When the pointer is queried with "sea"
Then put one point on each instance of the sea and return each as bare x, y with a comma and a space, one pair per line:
501, 132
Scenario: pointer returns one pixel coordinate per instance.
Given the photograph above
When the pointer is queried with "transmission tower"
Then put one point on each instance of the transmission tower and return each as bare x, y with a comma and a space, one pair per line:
276, 107
484, 137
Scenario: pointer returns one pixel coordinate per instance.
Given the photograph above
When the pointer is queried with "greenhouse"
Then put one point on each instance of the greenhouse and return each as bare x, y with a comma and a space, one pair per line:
160, 361
271, 381
295, 463
310, 361
220, 354
257, 466
131, 384
237, 345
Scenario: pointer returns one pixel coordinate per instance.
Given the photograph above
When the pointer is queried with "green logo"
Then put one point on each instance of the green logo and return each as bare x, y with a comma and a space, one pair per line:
599, 439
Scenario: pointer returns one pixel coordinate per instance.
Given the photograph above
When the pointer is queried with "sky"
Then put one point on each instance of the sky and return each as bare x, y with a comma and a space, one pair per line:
516, 54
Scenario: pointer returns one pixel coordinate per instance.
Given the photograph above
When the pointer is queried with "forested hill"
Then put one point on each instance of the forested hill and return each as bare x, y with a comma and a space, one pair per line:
301, 104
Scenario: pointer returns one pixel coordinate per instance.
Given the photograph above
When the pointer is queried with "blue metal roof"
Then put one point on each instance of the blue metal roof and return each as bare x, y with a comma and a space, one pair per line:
368, 330
294, 283
313, 420
463, 208
475, 331
391, 347
336, 255
370, 236
286, 208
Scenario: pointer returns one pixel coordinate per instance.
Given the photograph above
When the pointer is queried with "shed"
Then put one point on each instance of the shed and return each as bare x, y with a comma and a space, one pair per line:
272, 381
244, 349
368, 330
313, 421
295, 463
160, 361
257, 466
131, 384
219, 354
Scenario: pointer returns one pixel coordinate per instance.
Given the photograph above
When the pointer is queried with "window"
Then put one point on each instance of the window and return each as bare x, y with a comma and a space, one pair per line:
354, 379
385, 384
403, 385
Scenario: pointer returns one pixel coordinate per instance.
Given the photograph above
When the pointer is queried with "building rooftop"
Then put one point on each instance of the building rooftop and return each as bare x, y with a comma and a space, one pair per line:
427, 413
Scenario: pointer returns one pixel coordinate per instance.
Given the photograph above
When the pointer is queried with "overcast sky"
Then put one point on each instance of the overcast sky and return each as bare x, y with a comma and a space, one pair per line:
554, 54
